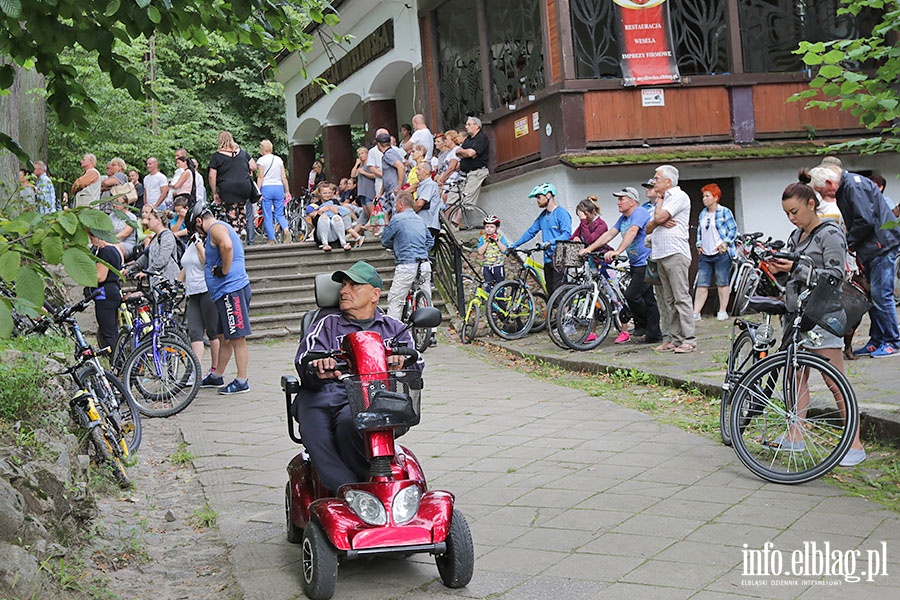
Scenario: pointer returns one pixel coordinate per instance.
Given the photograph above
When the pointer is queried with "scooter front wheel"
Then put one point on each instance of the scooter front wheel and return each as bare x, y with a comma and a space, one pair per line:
320, 563
457, 564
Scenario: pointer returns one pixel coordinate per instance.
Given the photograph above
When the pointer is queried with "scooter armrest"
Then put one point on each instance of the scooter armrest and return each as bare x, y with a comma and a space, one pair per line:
290, 384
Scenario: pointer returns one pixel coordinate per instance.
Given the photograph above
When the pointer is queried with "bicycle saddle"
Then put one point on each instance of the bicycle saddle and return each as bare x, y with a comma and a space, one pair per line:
766, 305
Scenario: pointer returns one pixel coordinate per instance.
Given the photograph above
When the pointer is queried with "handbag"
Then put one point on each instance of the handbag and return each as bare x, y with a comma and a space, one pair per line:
255, 194
651, 273
126, 190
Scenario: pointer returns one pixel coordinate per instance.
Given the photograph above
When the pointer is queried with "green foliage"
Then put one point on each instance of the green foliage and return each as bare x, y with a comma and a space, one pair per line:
181, 455
21, 395
204, 517
860, 76
40, 34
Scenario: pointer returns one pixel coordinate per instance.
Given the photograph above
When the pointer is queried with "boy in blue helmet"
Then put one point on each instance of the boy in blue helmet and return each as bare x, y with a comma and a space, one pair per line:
554, 223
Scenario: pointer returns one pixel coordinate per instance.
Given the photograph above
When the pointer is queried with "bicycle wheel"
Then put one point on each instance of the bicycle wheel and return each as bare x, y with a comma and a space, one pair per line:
740, 359
421, 335
469, 329
582, 323
540, 312
117, 403
107, 453
299, 226
122, 347
787, 424
552, 308
510, 310
162, 379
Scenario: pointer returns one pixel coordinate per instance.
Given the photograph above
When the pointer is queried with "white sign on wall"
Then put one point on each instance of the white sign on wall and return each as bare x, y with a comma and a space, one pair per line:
653, 97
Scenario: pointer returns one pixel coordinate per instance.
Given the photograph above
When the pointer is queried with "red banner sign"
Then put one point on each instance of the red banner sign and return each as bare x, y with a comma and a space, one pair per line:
647, 52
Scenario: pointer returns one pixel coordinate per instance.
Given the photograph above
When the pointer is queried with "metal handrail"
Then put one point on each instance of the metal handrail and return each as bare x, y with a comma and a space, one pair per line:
448, 265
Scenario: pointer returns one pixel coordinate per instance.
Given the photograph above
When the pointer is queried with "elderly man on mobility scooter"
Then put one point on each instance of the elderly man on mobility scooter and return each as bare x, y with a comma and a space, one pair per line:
356, 493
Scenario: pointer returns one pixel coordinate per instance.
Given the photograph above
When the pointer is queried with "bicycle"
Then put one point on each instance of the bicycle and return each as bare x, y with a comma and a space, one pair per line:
468, 331
138, 316
516, 303
779, 398
587, 312
417, 298
750, 343
162, 373
750, 273
461, 212
295, 213
101, 406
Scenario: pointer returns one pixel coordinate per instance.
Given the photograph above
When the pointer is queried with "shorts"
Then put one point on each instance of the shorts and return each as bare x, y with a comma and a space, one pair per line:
718, 265
234, 313
202, 316
362, 200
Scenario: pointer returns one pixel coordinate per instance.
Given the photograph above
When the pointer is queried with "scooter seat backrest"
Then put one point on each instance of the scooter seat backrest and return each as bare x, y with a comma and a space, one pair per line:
328, 297
328, 291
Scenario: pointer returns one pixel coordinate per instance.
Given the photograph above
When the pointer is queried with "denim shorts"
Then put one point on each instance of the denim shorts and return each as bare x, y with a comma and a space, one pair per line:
720, 264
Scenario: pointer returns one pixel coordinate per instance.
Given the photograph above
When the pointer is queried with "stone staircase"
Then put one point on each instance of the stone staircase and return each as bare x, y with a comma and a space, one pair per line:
281, 278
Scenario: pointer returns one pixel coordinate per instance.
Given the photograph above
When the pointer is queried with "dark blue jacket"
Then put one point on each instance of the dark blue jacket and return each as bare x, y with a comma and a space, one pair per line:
864, 211
326, 335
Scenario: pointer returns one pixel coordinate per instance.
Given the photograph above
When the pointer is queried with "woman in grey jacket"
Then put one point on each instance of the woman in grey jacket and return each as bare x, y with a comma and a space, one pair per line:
159, 255
825, 244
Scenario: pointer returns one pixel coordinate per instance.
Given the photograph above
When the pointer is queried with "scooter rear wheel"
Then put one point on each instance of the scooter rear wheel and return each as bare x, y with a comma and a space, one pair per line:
457, 564
320, 563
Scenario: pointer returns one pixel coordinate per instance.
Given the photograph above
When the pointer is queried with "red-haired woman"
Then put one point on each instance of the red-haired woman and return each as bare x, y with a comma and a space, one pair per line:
716, 232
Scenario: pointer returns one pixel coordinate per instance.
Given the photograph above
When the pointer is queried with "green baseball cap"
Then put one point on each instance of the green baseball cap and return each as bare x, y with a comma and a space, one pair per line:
360, 272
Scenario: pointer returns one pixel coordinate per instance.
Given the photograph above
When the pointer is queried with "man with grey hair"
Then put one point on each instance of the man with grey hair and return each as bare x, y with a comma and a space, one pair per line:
865, 212
672, 253
473, 156
44, 192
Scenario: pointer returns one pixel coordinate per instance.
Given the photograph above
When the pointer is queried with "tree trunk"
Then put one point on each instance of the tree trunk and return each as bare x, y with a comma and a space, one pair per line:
23, 117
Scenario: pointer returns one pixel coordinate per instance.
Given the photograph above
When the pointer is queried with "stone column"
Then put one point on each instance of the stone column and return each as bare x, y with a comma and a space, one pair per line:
339, 152
300, 162
380, 113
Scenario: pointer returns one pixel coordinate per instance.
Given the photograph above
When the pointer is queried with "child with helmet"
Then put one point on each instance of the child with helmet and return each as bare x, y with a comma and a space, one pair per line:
491, 248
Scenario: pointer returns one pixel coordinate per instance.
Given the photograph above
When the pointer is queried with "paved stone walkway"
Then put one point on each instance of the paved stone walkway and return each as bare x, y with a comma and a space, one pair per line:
568, 496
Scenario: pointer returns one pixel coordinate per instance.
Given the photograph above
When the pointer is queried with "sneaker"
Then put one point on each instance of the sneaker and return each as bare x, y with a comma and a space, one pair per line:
569, 329
782, 443
212, 381
866, 350
697, 317
885, 350
591, 338
721, 316
235, 387
623, 337
853, 457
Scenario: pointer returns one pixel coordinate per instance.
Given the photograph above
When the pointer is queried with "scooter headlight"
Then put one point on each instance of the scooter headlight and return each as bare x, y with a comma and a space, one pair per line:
366, 506
406, 504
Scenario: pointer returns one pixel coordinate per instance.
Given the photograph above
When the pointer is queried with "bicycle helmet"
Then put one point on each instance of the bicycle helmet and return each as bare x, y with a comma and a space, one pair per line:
194, 212
492, 220
543, 189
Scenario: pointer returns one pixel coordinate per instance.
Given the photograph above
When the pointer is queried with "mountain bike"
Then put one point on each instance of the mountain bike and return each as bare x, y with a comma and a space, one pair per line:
468, 331
517, 304
795, 393
587, 312
295, 213
461, 212
750, 273
416, 298
101, 405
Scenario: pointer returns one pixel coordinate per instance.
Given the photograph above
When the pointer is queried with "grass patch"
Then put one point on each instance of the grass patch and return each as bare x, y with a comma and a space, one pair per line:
74, 575
182, 455
21, 391
711, 152
204, 517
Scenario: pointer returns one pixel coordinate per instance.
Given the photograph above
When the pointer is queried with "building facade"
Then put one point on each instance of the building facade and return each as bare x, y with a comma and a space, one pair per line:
555, 80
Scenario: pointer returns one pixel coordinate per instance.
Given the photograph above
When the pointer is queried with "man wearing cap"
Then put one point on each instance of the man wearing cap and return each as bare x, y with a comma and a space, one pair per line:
326, 425
672, 252
865, 212
633, 227
650, 206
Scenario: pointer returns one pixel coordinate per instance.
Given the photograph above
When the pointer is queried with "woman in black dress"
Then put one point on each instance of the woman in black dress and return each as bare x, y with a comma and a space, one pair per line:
230, 179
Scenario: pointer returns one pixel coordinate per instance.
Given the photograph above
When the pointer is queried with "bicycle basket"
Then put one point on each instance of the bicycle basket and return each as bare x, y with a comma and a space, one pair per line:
835, 305
566, 254
384, 400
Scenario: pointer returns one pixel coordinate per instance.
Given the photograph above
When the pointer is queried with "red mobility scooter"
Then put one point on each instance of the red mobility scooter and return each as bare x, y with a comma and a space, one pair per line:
393, 512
